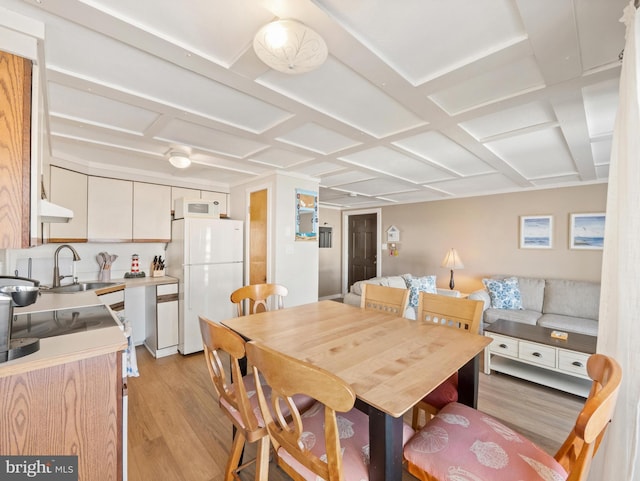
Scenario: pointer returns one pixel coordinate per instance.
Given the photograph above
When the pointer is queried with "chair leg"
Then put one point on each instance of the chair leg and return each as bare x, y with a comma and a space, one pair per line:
234, 456
415, 418
262, 459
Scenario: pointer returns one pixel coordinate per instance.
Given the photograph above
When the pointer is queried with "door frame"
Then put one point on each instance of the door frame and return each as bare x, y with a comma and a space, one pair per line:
345, 243
247, 226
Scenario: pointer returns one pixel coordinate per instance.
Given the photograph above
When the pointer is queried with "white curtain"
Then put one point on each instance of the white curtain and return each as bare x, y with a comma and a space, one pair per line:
619, 327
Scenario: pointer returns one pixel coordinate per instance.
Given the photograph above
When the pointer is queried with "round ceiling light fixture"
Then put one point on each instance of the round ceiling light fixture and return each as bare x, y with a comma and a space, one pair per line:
179, 159
289, 46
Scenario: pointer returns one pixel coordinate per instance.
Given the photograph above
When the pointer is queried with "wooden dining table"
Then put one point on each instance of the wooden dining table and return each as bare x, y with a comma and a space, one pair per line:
391, 362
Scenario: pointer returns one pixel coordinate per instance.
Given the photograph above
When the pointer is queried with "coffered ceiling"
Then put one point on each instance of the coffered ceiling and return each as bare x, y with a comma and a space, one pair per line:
418, 100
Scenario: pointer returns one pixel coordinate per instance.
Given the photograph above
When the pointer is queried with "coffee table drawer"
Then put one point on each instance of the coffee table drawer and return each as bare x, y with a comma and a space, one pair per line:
537, 353
504, 345
573, 362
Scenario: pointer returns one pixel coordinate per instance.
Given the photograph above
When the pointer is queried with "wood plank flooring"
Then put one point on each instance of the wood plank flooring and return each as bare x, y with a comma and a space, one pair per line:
178, 432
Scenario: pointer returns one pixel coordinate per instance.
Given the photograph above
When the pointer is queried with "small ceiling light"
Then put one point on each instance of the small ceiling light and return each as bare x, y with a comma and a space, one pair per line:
290, 47
179, 159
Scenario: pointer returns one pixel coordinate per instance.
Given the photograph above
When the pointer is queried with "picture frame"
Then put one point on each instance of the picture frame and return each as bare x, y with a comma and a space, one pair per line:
586, 231
536, 232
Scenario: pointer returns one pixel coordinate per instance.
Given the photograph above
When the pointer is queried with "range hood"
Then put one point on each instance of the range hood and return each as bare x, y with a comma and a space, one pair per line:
49, 212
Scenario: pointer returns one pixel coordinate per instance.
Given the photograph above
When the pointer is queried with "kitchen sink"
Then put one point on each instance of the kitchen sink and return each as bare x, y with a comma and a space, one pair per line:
80, 287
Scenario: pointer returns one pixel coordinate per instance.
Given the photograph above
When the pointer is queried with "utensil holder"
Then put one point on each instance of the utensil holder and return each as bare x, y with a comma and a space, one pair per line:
104, 275
158, 273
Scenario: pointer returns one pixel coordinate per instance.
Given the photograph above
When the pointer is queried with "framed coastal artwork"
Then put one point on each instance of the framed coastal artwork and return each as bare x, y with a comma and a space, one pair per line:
587, 231
536, 232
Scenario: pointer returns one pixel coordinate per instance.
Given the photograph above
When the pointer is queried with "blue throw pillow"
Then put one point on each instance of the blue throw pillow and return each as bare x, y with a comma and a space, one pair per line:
505, 293
417, 285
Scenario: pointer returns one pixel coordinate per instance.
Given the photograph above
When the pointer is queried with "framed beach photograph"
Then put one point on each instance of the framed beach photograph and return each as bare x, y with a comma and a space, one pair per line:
587, 231
536, 232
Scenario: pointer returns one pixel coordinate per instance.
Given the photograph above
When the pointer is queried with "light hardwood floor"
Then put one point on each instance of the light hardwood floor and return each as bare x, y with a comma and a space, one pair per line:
178, 432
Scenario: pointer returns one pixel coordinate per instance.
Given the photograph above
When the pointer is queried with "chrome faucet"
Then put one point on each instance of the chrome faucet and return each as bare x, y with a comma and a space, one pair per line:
56, 269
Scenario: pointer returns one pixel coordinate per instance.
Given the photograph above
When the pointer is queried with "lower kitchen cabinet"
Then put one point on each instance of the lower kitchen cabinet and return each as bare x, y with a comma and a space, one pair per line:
162, 329
69, 409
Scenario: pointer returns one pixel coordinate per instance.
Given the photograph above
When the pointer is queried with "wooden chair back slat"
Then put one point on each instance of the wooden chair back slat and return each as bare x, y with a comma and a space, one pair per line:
258, 296
391, 300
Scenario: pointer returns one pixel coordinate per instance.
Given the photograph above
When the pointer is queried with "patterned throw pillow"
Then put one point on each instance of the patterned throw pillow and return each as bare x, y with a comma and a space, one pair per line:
420, 284
505, 293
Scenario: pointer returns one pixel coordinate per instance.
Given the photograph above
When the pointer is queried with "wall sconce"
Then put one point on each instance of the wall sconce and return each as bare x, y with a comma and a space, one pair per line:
289, 46
452, 261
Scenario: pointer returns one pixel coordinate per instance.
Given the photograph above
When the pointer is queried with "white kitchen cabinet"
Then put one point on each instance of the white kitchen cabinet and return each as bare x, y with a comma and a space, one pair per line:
69, 189
181, 192
110, 210
162, 328
114, 298
220, 197
151, 212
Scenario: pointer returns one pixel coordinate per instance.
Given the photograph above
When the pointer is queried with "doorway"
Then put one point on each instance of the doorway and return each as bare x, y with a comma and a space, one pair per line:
362, 241
258, 250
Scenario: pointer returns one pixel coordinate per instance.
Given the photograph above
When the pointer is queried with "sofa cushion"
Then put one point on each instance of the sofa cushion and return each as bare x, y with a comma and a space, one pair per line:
505, 293
420, 284
524, 316
572, 298
532, 293
579, 325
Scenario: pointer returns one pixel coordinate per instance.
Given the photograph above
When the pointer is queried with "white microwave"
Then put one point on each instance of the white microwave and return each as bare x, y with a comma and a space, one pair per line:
196, 208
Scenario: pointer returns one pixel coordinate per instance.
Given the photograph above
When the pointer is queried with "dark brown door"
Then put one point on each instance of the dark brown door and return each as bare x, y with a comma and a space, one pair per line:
362, 247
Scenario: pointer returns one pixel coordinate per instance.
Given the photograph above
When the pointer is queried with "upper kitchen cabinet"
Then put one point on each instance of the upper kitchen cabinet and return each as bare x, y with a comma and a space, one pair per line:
219, 197
15, 152
151, 212
69, 189
181, 192
110, 210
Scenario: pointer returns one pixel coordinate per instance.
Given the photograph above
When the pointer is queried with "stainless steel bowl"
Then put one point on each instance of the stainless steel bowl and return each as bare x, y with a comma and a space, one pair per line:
21, 295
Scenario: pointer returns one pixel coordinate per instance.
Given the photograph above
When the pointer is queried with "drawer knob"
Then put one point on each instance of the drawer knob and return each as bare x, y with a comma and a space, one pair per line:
503, 346
577, 364
536, 354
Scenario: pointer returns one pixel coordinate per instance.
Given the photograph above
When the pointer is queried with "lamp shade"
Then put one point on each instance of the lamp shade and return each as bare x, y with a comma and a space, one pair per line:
289, 46
452, 260
179, 160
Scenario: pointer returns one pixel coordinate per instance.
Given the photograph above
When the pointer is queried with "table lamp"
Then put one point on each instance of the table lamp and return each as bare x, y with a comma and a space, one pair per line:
452, 261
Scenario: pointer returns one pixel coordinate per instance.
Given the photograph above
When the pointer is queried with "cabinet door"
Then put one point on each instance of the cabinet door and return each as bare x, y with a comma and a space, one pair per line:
151, 212
110, 210
167, 312
221, 197
69, 189
181, 192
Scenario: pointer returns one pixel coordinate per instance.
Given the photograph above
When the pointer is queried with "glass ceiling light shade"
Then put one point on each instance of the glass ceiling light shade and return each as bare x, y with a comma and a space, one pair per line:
290, 47
179, 160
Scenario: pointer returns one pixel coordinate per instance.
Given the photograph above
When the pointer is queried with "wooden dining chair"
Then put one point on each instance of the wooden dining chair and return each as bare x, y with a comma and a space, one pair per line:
391, 300
463, 442
454, 312
258, 296
330, 440
233, 397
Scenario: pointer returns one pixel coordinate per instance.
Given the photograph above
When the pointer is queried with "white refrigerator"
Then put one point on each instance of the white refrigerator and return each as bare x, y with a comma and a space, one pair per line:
206, 255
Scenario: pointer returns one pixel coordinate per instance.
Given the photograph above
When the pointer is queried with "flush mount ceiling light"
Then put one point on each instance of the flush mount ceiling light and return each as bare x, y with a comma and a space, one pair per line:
290, 47
179, 159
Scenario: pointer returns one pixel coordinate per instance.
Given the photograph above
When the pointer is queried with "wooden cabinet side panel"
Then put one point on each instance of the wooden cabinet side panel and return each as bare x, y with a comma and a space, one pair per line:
71, 409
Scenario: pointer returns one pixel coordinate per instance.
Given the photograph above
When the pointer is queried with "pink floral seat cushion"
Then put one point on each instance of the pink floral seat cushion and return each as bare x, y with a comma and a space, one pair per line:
303, 402
354, 442
461, 443
445, 393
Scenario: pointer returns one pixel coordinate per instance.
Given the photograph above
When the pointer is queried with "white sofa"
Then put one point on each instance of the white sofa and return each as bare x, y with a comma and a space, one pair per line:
560, 304
354, 295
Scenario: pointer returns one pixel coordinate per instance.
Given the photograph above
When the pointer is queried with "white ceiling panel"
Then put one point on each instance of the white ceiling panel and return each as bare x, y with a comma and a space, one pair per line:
179, 132
86, 107
427, 99
395, 34
509, 120
393, 163
318, 139
535, 155
346, 97
502, 83
600, 105
443, 151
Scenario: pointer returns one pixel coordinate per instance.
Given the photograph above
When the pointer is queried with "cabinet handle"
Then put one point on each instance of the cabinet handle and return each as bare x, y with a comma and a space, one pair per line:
577, 364
536, 354
503, 346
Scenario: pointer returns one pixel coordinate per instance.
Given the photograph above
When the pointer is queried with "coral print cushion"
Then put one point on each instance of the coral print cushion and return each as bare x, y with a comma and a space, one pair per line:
462, 443
505, 293
417, 285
